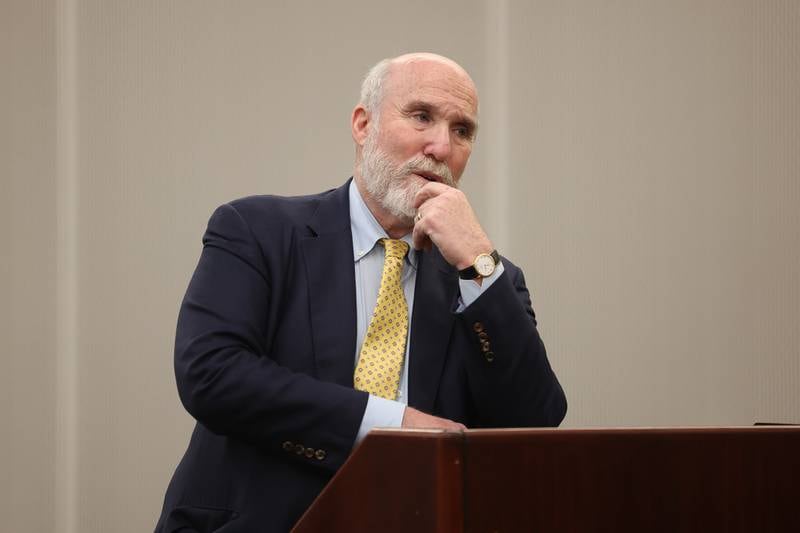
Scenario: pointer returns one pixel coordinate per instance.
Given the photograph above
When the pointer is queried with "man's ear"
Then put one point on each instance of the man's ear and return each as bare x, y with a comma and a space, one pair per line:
359, 124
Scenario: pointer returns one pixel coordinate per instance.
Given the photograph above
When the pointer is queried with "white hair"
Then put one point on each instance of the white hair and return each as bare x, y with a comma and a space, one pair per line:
373, 86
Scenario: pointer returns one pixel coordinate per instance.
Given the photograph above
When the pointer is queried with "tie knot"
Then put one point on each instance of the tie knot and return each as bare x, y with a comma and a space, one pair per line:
395, 248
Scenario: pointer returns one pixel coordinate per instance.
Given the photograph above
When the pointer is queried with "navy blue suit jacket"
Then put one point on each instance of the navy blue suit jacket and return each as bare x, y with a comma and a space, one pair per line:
264, 359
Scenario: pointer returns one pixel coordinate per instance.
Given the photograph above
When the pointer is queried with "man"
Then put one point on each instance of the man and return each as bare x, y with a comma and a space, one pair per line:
304, 326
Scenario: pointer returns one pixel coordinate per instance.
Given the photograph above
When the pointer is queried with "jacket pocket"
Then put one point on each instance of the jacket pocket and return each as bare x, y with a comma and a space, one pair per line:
186, 519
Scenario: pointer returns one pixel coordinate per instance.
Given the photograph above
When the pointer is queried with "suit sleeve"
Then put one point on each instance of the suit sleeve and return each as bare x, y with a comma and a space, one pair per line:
227, 378
510, 379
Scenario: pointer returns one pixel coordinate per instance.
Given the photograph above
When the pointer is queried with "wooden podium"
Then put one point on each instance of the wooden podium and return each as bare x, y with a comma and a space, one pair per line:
731, 479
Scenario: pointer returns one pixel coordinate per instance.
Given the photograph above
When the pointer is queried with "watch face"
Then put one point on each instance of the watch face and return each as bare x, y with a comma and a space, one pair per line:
484, 264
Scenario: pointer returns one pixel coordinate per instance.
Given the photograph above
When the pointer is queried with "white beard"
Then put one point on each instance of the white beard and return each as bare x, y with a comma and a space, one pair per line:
391, 184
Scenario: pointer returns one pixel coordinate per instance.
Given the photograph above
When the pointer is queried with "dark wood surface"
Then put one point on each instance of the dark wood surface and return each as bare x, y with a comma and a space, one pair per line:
567, 480
653, 480
395, 481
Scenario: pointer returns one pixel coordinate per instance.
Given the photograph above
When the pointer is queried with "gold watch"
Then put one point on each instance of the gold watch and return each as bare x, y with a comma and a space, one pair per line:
482, 267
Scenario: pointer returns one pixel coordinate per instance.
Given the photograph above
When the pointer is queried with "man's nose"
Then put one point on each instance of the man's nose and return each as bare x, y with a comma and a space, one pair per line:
438, 142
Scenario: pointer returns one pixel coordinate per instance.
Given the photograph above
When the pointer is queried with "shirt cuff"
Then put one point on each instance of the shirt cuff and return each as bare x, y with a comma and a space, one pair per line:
470, 289
380, 413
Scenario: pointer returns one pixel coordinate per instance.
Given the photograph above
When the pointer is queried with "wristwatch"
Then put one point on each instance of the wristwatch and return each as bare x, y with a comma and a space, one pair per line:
482, 267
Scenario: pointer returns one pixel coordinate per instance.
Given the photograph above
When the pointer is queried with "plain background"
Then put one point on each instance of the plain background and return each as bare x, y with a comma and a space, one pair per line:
639, 159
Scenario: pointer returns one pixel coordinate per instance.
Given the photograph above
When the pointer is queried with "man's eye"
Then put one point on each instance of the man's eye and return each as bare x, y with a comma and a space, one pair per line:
463, 132
422, 117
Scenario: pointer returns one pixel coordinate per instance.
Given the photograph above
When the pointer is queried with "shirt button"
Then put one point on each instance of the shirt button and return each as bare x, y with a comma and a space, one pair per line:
287, 446
489, 356
477, 326
320, 455
309, 452
299, 449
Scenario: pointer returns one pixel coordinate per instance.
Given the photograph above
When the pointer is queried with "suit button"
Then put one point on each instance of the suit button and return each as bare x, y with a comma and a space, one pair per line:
489, 356
478, 327
320, 455
288, 446
309, 452
299, 449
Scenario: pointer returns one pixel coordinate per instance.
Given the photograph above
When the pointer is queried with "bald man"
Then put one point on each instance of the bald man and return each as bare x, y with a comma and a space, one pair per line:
280, 351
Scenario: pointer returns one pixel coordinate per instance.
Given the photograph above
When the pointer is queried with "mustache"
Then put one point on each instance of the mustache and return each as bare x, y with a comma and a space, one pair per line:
426, 164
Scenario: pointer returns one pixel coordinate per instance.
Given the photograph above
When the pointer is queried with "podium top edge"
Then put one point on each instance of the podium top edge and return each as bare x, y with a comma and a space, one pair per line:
592, 430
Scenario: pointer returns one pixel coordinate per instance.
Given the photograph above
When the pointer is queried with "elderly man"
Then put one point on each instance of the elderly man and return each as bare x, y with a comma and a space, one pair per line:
310, 320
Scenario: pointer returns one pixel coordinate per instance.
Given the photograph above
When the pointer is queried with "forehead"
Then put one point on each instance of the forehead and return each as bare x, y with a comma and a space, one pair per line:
435, 82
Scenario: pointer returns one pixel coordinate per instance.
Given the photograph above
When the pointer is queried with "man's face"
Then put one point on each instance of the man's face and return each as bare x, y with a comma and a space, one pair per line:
424, 133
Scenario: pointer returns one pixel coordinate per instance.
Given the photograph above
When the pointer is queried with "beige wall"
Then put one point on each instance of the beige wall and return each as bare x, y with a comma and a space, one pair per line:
28, 318
639, 160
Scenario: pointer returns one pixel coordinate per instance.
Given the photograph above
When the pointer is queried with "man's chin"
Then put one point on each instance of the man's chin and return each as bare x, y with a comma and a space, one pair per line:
401, 207
404, 215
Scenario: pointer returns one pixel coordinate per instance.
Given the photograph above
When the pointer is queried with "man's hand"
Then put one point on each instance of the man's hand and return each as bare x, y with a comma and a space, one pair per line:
446, 219
414, 419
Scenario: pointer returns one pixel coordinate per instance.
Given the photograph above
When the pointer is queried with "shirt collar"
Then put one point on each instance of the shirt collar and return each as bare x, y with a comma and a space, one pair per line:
366, 231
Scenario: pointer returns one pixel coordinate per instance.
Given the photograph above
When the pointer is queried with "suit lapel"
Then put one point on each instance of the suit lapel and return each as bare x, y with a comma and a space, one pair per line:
328, 255
432, 321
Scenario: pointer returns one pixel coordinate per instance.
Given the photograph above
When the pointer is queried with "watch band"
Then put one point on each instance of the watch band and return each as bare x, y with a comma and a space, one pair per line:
472, 273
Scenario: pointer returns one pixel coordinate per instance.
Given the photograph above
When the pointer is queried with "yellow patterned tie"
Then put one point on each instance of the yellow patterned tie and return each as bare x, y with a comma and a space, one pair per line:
384, 346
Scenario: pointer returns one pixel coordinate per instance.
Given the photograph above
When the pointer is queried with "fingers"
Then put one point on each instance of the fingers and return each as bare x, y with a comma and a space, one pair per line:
446, 220
420, 240
419, 235
428, 191
418, 420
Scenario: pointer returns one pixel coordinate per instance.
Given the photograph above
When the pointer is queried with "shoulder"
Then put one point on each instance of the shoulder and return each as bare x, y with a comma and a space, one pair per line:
276, 223
275, 213
271, 209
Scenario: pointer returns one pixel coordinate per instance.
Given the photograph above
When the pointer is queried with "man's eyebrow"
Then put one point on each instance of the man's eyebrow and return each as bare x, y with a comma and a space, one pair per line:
415, 105
422, 105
